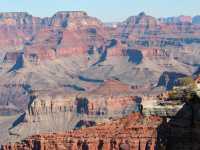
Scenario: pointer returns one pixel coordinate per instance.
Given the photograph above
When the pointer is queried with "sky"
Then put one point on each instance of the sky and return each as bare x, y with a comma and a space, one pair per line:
106, 10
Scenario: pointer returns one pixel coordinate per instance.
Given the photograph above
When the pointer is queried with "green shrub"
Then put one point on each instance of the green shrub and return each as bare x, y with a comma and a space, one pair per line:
186, 95
187, 81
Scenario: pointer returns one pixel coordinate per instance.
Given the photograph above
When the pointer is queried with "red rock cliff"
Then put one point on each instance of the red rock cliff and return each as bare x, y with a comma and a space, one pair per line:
139, 131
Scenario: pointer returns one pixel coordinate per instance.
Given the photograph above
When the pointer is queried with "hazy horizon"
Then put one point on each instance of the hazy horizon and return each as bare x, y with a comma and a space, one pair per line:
107, 11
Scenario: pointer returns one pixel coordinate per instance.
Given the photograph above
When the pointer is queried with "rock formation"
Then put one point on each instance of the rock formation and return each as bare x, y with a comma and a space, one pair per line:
141, 133
177, 130
52, 112
83, 62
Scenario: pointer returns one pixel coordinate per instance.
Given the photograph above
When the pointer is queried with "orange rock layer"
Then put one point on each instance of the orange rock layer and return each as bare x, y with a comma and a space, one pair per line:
139, 131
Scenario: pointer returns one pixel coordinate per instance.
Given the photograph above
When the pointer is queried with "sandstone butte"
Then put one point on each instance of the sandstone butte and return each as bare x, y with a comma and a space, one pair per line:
140, 131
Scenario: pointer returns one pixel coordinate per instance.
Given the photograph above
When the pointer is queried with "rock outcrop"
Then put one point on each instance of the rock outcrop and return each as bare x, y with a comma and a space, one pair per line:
180, 129
139, 131
47, 114
177, 130
52, 111
69, 33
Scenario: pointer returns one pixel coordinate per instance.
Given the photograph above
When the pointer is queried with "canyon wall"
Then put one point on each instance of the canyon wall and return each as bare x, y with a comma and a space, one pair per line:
176, 128
72, 33
59, 113
139, 131
76, 52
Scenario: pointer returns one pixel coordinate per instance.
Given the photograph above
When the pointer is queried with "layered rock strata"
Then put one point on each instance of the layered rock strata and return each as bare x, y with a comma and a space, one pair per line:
139, 131
55, 52
66, 113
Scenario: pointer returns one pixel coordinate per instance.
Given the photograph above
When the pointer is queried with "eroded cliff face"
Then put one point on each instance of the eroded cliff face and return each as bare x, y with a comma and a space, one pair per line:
52, 111
157, 39
90, 105
72, 33
48, 114
141, 133
177, 130
77, 52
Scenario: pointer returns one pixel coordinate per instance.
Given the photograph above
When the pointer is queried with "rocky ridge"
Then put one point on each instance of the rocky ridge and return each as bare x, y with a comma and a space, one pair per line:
139, 131
175, 129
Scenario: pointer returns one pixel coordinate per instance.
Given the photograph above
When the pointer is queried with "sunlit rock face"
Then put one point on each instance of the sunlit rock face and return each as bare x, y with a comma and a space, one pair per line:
53, 112
89, 68
69, 33
139, 131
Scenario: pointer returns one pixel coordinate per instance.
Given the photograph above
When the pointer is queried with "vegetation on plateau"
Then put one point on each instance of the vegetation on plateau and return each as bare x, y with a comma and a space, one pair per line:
186, 91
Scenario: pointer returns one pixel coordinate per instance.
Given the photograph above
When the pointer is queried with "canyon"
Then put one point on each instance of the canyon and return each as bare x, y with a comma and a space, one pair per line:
71, 71
172, 131
74, 52
139, 135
